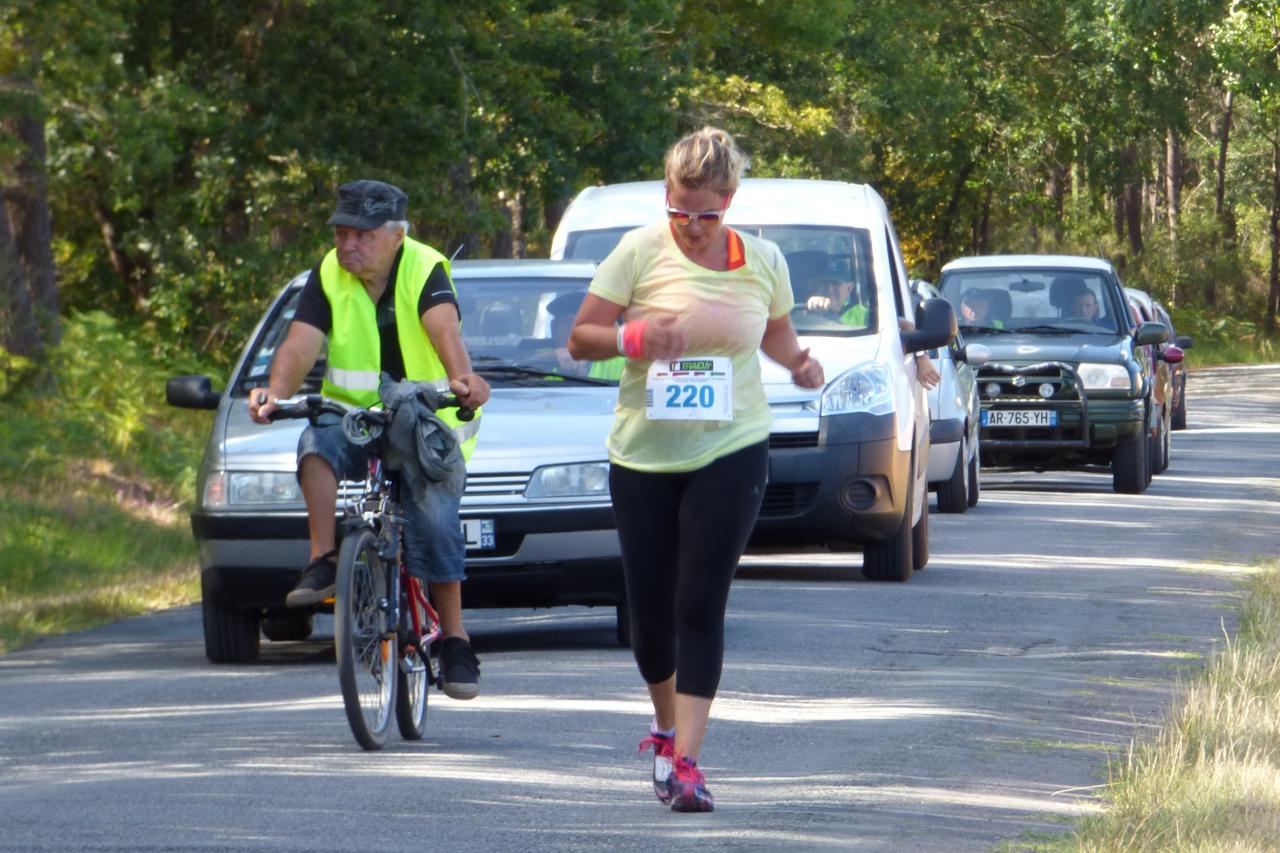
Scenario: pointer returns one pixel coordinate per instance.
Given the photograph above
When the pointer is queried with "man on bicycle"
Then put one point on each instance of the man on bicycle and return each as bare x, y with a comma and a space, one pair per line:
386, 304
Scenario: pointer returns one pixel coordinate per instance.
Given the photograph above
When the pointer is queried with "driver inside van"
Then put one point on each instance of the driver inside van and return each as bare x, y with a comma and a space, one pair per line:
837, 298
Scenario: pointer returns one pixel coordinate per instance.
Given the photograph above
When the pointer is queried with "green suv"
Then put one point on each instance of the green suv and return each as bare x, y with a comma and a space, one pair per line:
1069, 382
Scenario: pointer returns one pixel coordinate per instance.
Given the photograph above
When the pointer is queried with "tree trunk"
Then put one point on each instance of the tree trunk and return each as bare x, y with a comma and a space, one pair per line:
1226, 224
1173, 181
1173, 198
1224, 138
1056, 191
1131, 180
1273, 295
19, 333
25, 192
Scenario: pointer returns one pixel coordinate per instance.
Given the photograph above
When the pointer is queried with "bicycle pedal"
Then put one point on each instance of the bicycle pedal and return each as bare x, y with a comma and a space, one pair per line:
329, 601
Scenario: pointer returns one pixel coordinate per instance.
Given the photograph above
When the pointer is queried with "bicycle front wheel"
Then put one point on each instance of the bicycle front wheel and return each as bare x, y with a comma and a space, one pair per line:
415, 673
365, 647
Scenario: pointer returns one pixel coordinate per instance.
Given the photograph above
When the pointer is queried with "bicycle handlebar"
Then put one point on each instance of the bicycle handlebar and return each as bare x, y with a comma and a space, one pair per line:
313, 404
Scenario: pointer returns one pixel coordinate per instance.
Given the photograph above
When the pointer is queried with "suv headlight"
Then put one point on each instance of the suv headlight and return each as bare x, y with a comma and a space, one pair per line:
1098, 377
865, 388
251, 488
585, 480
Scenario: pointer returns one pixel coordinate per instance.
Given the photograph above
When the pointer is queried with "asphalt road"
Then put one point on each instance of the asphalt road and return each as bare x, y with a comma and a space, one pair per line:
974, 705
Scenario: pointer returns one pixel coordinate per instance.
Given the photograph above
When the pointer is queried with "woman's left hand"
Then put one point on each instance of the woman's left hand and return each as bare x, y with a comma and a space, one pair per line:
807, 372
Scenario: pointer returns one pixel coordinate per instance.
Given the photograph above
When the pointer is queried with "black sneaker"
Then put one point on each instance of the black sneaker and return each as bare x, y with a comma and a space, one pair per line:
460, 669
317, 583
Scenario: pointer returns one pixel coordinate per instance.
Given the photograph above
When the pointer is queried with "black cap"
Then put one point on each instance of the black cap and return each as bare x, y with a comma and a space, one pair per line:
368, 204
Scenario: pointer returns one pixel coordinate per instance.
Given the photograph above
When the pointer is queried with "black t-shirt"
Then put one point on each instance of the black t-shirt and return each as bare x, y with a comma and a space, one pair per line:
313, 309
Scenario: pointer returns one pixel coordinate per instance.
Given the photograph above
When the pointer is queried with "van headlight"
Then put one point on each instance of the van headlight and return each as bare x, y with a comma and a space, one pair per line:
865, 388
1098, 377
251, 488
584, 480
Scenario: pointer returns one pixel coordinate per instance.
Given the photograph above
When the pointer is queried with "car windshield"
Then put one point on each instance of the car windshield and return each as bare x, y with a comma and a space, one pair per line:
832, 276
516, 328
1034, 300
257, 367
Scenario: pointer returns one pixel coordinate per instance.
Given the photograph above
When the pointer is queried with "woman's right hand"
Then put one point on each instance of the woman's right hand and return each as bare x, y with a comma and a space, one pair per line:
663, 338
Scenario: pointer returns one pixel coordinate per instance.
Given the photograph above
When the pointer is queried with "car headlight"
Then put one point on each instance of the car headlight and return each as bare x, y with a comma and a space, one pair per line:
865, 388
251, 488
585, 480
1098, 377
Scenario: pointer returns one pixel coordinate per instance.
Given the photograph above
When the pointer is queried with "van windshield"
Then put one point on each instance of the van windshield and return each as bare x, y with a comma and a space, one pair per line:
832, 275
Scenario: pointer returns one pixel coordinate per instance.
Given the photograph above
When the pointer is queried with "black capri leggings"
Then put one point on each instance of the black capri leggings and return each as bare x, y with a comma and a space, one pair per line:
682, 536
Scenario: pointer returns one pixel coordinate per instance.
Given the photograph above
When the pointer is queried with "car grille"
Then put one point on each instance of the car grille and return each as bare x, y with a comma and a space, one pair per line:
1064, 387
489, 485
1065, 400
787, 499
478, 485
789, 440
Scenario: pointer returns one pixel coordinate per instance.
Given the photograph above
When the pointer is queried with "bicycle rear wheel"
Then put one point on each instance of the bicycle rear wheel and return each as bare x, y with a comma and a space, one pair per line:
366, 649
414, 673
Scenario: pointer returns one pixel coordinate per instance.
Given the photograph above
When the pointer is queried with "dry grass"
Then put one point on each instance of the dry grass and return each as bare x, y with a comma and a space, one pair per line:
1211, 780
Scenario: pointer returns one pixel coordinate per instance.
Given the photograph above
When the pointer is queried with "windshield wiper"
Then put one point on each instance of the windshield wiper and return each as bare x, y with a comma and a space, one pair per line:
525, 371
970, 330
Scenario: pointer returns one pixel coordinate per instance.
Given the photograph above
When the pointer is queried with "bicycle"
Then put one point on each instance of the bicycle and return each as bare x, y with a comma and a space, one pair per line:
384, 623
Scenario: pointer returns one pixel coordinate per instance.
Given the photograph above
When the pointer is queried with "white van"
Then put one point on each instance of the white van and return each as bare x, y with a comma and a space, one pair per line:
847, 463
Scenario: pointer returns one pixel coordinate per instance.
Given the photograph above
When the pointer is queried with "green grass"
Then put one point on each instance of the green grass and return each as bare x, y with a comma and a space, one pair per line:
96, 475
1211, 780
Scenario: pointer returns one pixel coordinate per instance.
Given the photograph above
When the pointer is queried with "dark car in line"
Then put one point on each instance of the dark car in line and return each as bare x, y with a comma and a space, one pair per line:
1069, 382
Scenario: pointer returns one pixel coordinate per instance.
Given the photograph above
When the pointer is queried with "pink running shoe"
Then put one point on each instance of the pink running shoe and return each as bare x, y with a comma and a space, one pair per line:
689, 788
663, 752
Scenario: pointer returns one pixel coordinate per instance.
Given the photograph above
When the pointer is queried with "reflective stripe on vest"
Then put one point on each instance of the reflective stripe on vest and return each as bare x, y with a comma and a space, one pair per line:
355, 351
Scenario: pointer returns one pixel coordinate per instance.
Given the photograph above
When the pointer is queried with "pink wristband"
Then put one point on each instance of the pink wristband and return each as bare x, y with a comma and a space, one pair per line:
633, 338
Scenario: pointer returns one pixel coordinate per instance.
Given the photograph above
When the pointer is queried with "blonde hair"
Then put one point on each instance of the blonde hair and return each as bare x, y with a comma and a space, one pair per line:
705, 159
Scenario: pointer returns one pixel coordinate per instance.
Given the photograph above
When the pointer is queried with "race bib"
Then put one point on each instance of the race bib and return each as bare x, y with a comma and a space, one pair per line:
690, 389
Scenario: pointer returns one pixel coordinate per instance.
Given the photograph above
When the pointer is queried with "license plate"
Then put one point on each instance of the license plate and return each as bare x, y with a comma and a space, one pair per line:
1020, 418
478, 532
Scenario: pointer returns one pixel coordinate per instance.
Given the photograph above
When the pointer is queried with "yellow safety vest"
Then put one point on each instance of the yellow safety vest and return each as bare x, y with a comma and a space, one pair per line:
355, 349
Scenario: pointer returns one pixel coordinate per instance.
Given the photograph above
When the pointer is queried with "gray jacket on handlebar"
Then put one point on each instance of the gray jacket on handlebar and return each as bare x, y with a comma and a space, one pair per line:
418, 444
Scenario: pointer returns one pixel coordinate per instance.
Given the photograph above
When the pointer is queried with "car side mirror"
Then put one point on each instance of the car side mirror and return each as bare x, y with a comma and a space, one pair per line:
191, 392
1151, 333
1171, 354
1183, 341
975, 355
935, 326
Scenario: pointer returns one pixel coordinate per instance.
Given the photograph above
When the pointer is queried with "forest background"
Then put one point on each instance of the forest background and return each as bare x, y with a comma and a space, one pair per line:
171, 163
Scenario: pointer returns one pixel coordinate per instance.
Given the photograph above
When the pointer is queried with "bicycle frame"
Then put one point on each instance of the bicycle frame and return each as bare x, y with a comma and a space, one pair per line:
377, 507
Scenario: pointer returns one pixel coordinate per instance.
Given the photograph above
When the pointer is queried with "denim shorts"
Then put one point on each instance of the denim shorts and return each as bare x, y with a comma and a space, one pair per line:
434, 547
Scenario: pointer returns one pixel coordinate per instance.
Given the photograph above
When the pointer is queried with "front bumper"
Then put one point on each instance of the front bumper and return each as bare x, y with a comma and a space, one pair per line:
1085, 425
847, 483
541, 556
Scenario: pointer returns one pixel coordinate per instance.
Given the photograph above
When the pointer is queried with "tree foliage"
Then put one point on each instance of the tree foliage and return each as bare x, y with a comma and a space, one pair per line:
193, 146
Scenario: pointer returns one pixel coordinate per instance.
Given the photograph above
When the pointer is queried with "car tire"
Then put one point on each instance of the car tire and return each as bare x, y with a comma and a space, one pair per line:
283, 627
1179, 419
1165, 441
920, 538
953, 493
890, 559
622, 630
1154, 448
1129, 466
231, 635
975, 477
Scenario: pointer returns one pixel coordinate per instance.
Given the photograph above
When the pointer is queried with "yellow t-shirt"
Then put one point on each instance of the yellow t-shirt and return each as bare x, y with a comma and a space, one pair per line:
723, 313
